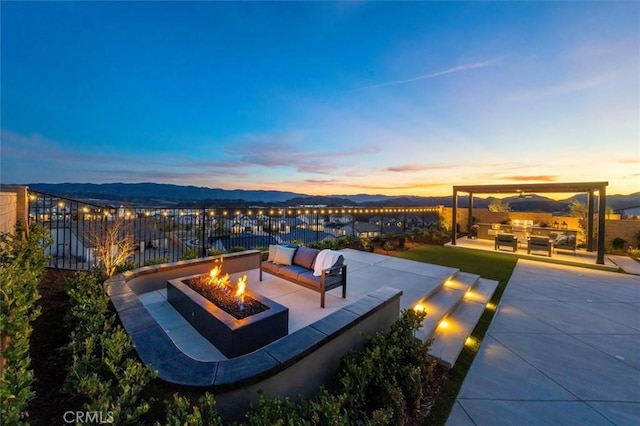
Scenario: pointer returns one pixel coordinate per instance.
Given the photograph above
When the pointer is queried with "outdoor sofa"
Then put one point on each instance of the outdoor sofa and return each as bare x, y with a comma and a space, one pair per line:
318, 270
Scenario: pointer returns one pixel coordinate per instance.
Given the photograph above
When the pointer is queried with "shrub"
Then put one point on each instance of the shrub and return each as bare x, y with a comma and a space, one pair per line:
618, 243
325, 409
180, 412
634, 253
103, 370
22, 264
157, 261
387, 377
402, 240
190, 254
334, 244
237, 249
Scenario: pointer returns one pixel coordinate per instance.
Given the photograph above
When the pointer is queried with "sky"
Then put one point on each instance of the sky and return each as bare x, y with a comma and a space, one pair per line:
321, 98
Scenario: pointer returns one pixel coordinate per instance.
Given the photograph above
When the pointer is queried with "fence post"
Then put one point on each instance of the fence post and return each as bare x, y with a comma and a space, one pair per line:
204, 232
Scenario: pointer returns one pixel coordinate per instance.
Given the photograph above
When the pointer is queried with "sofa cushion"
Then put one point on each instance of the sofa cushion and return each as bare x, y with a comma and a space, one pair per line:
309, 279
305, 257
292, 272
270, 267
284, 255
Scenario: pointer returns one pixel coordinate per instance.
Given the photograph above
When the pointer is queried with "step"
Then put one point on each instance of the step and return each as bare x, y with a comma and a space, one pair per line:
451, 336
442, 303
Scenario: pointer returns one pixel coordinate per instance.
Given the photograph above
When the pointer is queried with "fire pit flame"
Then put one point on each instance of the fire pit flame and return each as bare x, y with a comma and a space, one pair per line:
224, 282
240, 287
216, 278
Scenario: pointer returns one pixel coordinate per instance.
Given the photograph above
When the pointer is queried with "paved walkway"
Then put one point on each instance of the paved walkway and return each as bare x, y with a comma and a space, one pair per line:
563, 349
627, 264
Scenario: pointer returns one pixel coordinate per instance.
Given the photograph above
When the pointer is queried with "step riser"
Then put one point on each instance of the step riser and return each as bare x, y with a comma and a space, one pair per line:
448, 344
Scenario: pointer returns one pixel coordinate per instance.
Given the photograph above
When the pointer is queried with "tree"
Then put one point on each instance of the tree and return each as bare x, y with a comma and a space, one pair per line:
114, 245
498, 205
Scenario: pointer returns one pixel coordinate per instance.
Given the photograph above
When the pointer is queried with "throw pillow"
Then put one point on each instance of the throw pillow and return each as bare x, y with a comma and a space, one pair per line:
272, 252
305, 257
284, 255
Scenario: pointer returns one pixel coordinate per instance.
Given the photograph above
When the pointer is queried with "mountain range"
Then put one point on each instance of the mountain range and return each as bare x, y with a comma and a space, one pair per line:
155, 194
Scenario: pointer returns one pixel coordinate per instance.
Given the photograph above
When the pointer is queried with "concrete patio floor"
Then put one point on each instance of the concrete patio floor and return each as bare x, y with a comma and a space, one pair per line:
562, 349
579, 257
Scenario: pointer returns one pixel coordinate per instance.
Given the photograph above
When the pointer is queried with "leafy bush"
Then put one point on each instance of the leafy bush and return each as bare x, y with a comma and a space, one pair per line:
333, 244
157, 261
385, 380
102, 370
180, 412
325, 409
22, 264
634, 252
192, 253
237, 249
618, 243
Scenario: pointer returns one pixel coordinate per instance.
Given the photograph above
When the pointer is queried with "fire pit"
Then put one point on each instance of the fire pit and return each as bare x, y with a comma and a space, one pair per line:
233, 319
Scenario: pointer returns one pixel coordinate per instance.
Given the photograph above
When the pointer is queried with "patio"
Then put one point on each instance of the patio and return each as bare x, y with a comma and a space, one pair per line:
440, 289
578, 258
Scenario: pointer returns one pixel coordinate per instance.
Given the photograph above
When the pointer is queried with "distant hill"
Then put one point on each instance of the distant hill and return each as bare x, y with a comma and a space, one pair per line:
160, 192
152, 194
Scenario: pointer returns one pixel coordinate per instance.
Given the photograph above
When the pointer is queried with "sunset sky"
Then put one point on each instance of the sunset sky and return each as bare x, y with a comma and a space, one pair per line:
321, 97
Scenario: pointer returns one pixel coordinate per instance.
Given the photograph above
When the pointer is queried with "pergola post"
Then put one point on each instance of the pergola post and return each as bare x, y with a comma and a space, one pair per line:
602, 206
454, 217
590, 245
470, 215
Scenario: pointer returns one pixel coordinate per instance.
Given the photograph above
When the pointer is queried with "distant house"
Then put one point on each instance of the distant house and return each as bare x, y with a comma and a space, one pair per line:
362, 230
336, 229
386, 221
311, 221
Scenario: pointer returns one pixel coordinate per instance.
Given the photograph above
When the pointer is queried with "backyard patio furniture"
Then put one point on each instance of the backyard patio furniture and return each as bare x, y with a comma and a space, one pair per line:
508, 240
539, 244
565, 240
318, 270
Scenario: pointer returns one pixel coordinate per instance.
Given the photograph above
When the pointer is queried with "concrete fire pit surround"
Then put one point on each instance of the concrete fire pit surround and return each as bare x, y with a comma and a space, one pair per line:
232, 337
293, 366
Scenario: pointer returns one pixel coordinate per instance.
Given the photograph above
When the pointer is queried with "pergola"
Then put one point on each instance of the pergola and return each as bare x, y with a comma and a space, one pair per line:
577, 187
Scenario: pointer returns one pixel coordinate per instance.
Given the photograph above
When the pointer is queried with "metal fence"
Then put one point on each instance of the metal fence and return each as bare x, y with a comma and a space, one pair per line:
167, 234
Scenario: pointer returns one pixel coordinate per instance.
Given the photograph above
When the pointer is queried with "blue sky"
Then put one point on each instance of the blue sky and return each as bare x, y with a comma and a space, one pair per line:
320, 97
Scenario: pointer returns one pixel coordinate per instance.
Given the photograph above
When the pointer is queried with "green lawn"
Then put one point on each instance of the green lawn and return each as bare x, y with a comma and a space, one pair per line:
490, 265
